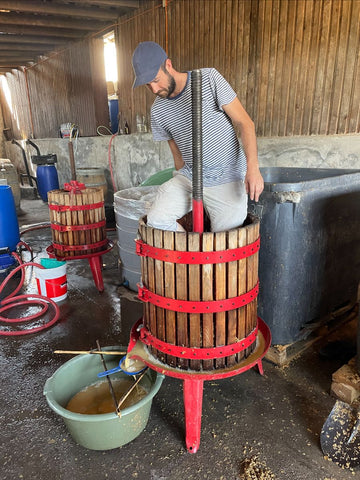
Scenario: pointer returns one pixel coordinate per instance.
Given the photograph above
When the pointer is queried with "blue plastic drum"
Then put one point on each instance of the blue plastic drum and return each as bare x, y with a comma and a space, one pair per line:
47, 180
9, 226
114, 115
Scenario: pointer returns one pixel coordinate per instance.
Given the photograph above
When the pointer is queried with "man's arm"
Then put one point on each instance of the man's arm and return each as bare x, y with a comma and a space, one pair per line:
178, 161
254, 182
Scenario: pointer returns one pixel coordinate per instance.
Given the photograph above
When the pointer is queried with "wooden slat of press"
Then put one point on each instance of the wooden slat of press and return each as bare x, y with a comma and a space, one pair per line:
242, 282
68, 236
86, 201
160, 290
232, 285
181, 294
52, 198
144, 273
151, 320
74, 220
90, 200
97, 217
220, 294
256, 232
94, 231
194, 294
256, 275
59, 220
208, 295
251, 282
256, 270
101, 216
80, 220
169, 281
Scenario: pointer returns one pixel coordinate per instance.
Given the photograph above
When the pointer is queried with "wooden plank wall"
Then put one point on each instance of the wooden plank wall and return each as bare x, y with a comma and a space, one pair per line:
293, 63
70, 86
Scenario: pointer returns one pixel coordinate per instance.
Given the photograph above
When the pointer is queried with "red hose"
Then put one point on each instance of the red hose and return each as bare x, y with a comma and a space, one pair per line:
12, 301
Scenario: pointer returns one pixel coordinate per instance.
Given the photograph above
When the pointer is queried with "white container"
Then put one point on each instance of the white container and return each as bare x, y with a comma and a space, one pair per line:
52, 282
130, 205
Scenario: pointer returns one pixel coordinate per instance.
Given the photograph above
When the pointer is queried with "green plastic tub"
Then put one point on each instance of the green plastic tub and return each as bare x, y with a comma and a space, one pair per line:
106, 431
159, 177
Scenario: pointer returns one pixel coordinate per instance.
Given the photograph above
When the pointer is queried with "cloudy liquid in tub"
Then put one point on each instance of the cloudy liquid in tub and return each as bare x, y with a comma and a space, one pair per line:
96, 398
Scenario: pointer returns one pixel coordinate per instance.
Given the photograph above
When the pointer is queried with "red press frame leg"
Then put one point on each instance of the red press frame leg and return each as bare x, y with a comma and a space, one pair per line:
260, 367
193, 396
95, 265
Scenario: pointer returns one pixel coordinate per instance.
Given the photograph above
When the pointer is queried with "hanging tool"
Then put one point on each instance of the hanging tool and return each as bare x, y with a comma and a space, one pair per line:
29, 142
28, 175
340, 435
72, 160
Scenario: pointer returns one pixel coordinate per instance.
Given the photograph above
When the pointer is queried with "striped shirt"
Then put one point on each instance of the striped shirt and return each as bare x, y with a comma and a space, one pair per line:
224, 160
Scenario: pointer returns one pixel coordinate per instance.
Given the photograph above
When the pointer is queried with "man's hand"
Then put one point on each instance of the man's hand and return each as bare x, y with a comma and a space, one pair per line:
254, 183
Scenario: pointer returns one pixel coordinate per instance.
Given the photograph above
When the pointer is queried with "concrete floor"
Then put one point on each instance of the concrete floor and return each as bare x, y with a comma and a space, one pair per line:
276, 417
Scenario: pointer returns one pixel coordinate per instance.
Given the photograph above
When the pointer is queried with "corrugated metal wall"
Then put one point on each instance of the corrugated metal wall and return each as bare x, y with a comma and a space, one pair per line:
294, 63
68, 87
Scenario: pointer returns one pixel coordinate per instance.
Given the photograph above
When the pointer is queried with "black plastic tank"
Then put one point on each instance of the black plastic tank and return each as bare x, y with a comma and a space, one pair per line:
309, 263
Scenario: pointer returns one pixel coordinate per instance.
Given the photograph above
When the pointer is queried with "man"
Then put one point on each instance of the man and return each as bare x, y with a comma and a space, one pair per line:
230, 171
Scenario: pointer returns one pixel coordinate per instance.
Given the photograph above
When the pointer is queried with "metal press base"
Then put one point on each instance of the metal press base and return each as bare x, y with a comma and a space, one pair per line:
94, 260
193, 381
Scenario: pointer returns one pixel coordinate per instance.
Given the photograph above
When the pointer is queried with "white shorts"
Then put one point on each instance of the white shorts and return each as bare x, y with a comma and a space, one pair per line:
226, 205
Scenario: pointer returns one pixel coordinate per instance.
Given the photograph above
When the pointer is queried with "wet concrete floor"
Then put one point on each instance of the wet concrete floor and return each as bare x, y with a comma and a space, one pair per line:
276, 417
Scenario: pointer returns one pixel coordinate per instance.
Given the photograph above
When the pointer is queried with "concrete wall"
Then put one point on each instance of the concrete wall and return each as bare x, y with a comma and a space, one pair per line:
136, 157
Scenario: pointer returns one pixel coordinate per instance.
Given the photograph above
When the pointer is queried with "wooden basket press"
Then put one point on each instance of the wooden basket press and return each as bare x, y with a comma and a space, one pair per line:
78, 222
204, 283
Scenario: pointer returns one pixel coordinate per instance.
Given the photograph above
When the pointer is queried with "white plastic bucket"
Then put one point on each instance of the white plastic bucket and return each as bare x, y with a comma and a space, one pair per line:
52, 283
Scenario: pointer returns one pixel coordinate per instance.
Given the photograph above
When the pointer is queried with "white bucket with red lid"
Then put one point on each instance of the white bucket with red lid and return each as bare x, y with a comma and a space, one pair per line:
51, 281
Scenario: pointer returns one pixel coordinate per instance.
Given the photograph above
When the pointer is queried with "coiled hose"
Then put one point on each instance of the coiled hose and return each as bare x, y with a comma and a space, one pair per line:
12, 301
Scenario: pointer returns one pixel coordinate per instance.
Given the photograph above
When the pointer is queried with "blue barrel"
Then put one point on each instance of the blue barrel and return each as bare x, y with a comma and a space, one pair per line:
47, 180
114, 115
9, 226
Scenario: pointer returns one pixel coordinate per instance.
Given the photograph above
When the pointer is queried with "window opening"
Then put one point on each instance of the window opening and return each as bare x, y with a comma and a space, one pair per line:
111, 75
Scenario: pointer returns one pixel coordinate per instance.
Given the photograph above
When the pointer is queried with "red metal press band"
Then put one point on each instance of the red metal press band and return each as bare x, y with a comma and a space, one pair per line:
71, 248
74, 228
196, 352
74, 208
74, 187
188, 306
198, 258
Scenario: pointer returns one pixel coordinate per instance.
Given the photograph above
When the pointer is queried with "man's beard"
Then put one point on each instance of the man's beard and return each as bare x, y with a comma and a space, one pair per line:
166, 92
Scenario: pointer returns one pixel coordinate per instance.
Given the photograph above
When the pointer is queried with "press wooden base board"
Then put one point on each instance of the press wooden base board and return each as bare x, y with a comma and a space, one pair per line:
282, 355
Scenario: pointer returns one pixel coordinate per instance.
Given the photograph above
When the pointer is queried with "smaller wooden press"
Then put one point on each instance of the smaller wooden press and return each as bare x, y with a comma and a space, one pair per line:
78, 226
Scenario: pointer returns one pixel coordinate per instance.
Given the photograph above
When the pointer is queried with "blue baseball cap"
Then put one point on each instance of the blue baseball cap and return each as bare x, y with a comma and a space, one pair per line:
147, 60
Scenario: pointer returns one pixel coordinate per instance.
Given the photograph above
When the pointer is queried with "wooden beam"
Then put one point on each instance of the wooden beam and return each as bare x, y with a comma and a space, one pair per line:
9, 65
19, 53
17, 59
108, 3
28, 30
56, 9
13, 47
35, 39
48, 21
